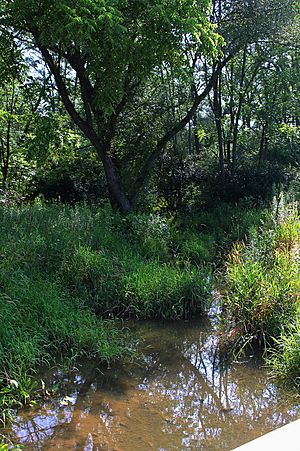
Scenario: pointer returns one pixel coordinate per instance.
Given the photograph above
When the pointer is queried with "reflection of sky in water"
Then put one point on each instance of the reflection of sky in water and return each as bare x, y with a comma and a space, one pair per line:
178, 398
42, 425
201, 395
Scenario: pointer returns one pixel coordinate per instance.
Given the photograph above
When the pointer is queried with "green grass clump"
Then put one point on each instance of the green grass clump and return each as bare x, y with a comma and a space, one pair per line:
153, 290
195, 247
115, 265
128, 285
284, 358
208, 235
263, 282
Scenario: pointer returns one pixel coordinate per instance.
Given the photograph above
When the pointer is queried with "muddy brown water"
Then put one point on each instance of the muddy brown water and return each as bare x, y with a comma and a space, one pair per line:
173, 397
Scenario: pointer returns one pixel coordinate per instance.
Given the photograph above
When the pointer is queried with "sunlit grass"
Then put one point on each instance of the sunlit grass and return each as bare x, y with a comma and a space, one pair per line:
261, 299
284, 358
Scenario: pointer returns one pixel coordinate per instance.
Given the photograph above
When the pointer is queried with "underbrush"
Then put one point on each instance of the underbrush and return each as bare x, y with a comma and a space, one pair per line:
284, 358
262, 289
115, 265
218, 228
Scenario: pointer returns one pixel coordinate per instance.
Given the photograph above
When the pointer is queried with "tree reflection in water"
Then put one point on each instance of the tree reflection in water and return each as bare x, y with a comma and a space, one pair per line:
175, 397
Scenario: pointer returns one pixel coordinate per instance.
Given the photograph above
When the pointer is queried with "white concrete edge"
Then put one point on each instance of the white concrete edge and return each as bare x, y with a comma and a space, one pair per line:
286, 438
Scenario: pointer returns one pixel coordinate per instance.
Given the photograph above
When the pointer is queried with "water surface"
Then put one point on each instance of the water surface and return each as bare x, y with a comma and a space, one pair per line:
174, 397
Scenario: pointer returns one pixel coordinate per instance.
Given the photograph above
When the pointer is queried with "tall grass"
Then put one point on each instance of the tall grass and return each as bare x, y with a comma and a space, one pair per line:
208, 235
284, 358
114, 265
263, 287
39, 318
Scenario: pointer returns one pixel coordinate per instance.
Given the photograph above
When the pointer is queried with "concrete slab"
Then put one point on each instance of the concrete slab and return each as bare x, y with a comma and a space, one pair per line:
286, 438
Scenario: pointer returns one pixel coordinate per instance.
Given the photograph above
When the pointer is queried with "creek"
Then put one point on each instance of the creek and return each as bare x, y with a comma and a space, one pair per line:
174, 396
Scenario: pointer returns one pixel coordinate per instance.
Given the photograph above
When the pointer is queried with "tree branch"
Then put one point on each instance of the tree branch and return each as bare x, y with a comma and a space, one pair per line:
152, 158
84, 126
87, 90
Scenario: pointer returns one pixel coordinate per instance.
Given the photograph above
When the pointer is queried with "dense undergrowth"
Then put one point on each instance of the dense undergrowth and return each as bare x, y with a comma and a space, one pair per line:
261, 299
63, 268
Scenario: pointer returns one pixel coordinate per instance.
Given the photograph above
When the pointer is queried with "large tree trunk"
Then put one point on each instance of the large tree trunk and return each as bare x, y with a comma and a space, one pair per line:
103, 144
117, 196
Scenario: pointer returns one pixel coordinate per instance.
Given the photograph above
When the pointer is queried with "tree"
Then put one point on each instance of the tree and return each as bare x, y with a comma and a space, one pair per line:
21, 104
110, 48
247, 105
249, 29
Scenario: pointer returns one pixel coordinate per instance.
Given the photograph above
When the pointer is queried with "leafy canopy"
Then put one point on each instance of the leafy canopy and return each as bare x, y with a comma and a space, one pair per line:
118, 40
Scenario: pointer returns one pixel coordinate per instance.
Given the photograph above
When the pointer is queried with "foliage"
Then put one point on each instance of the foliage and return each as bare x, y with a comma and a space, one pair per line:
114, 265
145, 112
247, 183
262, 281
284, 358
6, 447
41, 319
114, 35
69, 178
189, 109
113, 48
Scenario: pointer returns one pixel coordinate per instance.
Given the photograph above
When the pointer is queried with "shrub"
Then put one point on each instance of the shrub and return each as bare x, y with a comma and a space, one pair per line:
70, 180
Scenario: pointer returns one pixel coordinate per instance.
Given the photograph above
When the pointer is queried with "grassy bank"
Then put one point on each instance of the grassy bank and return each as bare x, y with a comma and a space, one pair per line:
63, 268
116, 266
67, 272
261, 300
